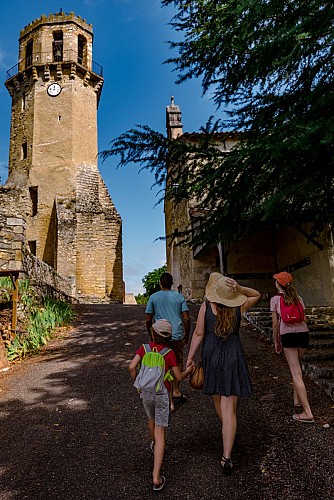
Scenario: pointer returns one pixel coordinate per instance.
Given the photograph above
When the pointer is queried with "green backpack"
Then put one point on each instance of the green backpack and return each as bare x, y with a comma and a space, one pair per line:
151, 376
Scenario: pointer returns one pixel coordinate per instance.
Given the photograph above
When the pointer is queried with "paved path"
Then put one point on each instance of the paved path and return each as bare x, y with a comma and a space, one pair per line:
72, 427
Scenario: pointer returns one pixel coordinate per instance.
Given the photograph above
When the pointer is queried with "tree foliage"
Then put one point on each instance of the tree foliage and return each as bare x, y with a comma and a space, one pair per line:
141, 299
269, 67
151, 281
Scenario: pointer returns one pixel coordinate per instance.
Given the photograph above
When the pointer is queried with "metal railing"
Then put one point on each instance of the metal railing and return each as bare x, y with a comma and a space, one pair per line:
54, 57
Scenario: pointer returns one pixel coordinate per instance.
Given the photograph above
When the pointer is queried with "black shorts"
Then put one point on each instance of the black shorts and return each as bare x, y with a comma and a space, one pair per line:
177, 346
296, 339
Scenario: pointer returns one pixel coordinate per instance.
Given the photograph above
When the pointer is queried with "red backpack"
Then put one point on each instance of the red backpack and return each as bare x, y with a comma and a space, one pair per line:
292, 313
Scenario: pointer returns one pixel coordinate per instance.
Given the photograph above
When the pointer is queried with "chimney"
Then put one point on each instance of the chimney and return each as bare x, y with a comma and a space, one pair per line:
173, 120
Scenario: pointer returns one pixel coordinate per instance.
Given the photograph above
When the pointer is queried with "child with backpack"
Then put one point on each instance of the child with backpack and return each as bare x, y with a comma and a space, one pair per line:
153, 382
291, 332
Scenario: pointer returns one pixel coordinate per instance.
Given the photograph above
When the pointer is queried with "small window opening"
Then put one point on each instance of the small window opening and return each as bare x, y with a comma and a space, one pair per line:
57, 46
32, 247
34, 199
29, 53
24, 103
24, 151
82, 44
59, 118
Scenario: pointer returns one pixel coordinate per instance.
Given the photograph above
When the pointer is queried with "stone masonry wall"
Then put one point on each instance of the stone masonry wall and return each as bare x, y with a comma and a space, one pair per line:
45, 280
12, 231
99, 243
15, 254
113, 245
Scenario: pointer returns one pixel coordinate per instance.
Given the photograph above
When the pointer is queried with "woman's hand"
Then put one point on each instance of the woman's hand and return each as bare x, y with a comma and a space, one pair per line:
278, 347
190, 368
252, 295
190, 362
231, 283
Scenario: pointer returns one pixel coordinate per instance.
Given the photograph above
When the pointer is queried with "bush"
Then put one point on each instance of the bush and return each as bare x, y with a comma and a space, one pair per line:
141, 299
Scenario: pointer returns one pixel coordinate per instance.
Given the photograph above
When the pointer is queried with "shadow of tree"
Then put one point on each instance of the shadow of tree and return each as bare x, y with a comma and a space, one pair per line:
73, 427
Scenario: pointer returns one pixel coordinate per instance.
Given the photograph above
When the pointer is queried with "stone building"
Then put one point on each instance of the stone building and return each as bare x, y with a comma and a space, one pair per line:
306, 253
71, 221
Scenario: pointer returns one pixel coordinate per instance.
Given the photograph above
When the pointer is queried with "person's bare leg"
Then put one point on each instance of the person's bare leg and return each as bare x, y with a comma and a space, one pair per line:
159, 450
216, 401
176, 383
228, 407
151, 426
296, 400
292, 357
171, 402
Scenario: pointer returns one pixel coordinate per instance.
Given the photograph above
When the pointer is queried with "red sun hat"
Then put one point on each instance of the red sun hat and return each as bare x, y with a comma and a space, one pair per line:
283, 278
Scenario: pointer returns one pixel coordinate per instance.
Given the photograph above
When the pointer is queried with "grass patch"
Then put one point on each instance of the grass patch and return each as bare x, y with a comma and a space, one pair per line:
41, 319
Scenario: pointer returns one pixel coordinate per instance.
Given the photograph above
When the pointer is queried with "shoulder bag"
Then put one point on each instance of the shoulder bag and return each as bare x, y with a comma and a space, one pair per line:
196, 380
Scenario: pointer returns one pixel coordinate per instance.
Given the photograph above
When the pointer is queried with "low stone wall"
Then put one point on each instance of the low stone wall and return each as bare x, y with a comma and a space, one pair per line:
46, 281
15, 255
12, 231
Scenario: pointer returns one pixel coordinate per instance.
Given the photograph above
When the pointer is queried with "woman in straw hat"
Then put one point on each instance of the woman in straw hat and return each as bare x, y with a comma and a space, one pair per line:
226, 375
294, 338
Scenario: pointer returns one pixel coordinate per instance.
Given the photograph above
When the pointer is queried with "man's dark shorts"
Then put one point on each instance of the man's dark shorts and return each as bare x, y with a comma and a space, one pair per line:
177, 346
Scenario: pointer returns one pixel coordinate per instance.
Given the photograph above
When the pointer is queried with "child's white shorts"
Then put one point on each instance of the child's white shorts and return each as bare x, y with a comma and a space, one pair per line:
157, 408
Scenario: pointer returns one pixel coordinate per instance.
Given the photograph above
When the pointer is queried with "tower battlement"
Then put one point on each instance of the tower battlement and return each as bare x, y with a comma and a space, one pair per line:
57, 18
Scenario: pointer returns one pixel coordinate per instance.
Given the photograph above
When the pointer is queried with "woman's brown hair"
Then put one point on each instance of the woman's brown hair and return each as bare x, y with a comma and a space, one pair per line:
290, 294
225, 321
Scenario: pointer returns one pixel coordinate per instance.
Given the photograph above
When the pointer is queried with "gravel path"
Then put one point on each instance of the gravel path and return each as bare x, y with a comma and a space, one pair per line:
72, 426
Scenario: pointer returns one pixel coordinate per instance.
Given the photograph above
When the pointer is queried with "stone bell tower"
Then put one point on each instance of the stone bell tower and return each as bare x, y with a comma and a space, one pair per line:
73, 224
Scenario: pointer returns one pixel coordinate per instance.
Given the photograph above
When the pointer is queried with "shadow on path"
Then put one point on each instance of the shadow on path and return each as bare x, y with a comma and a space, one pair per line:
72, 426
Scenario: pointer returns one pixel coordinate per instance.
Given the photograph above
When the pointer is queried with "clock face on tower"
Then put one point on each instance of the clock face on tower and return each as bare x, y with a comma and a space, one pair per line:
54, 89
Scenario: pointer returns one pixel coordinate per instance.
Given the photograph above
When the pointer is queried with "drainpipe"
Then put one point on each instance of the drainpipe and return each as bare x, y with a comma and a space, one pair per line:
222, 258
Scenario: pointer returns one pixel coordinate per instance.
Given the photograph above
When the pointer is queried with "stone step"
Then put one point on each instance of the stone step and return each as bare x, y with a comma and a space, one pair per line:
322, 369
321, 375
313, 325
325, 317
319, 355
321, 343
265, 324
260, 309
262, 314
322, 334
327, 385
318, 310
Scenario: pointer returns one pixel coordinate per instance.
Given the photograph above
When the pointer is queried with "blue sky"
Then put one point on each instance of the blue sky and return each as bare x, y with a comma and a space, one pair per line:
130, 43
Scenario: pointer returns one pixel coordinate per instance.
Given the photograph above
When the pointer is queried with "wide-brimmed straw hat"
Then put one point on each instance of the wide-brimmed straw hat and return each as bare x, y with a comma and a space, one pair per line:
217, 291
163, 328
